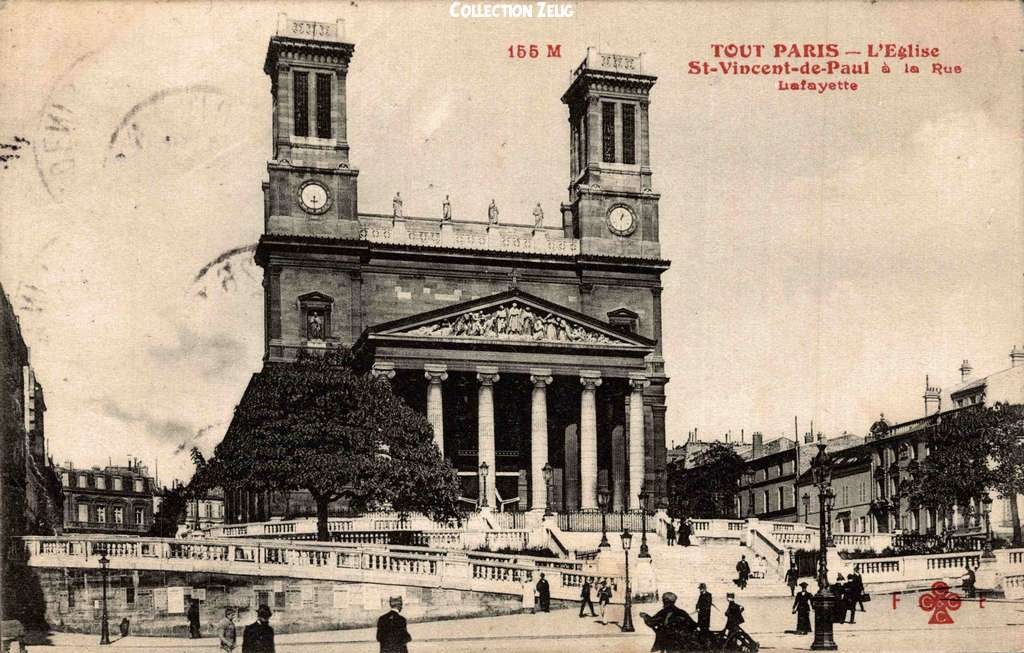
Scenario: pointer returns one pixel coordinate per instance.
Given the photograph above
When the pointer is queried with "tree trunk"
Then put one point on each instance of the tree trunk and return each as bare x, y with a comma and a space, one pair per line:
1015, 518
322, 505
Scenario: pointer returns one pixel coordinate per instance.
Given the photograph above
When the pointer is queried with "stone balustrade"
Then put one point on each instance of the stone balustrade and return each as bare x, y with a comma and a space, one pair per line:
925, 569
387, 565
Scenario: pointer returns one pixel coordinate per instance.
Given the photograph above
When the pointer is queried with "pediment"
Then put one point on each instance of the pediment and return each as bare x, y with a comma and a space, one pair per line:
511, 317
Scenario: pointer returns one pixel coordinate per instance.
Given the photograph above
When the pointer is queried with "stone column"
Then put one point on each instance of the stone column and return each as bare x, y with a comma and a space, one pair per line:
436, 374
383, 369
590, 379
539, 437
488, 376
637, 382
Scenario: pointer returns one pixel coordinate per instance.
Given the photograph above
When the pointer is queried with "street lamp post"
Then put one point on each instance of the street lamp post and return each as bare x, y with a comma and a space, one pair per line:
824, 600
547, 484
643, 496
104, 618
483, 484
627, 610
986, 506
603, 498
830, 504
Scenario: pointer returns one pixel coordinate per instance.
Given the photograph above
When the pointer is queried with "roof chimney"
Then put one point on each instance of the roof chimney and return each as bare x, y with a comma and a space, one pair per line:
757, 444
932, 398
965, 371
808, 438
1016, 357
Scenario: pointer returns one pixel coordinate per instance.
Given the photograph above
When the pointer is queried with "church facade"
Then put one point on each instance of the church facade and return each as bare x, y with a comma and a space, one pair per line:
524, 345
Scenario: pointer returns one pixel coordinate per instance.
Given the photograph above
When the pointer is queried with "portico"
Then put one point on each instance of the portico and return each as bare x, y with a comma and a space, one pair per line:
516, 382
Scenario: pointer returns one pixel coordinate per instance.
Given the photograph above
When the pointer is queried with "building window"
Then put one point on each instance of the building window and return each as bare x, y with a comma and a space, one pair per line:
300, 95
323, 105
279, 600
767, 501
846, 495
101, 514
83, 480
782, 498
118, 515
66, 478
140, 516
207, 509
101, 483
628, 133
129, 594
263, 598
83, 512
139, 485
608, 132
118, 483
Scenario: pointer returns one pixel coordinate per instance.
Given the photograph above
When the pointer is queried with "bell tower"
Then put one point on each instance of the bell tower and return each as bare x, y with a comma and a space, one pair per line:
312, 187
612, 208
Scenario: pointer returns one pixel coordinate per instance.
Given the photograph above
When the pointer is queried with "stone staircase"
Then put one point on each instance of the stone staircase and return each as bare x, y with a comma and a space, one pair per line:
679, 569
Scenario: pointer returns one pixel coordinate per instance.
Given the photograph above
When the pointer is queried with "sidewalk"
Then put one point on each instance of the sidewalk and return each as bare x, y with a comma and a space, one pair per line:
991, 627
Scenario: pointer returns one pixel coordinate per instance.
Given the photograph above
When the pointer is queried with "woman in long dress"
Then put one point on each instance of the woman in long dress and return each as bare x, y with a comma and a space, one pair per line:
802, 610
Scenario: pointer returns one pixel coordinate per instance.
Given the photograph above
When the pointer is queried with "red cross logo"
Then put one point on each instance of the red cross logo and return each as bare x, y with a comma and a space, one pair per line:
940, 601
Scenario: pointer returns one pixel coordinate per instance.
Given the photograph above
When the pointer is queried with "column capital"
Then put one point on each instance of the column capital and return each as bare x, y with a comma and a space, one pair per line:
637, 382
383, 369
487, 375
590, 379
435, 373
540, 376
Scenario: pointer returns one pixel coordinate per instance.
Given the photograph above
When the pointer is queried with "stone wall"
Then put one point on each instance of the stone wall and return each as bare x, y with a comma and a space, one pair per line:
155, 602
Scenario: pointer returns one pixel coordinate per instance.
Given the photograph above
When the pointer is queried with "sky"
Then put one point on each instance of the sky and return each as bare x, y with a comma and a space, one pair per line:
828, 250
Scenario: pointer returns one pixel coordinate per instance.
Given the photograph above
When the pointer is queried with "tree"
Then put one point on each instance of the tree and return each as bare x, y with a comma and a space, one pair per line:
707, 489
168, 516
1007, 441
321, 425
957, 469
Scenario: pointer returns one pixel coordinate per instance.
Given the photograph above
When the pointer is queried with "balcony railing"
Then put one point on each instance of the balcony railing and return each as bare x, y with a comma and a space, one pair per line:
105, 526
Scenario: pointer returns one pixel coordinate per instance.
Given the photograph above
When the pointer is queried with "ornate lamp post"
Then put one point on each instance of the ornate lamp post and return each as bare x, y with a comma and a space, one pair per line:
986, 507
548, 472
643, 496
603, 498
824, 601
830, 504
104, 619
749, 475
627, 611
483, 484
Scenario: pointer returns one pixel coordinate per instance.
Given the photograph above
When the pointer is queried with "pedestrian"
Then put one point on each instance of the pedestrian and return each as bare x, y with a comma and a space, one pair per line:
124, 627
839, 591
858, 580
670, 533
968, 580
194, 630
544, 594
733, 615
228, 634
392, 632
585, 599
685, 529
704, 602
604, 597
802, 610
529, 596
671, 625
792, 576
743, 572
850, 598
258, 637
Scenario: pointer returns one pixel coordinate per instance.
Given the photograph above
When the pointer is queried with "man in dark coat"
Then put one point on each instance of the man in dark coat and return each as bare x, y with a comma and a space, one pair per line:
585, 599
733, 615
670, 533
704, 599
259, 637
743, 572
674, 630
391, 629
802, 610
858, 583
792, 576
194, 631
544, 594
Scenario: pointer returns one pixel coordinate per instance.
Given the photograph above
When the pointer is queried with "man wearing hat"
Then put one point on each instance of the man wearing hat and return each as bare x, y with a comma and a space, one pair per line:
802, 610
671, 625
391, 629
704, 608
259, 637
733, 615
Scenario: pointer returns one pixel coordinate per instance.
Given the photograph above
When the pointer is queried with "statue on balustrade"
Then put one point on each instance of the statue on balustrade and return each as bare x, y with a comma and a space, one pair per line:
492, 213
446, 210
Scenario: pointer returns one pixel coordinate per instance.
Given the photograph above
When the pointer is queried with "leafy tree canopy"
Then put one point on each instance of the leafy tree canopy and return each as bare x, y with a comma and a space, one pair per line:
321, 425
708, 488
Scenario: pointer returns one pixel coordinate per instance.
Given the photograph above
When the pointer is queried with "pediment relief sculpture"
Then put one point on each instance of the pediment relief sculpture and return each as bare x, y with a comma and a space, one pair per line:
513, 321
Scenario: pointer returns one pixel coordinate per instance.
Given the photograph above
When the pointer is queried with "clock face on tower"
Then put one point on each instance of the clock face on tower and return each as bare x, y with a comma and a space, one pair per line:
314, 197
621, 220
